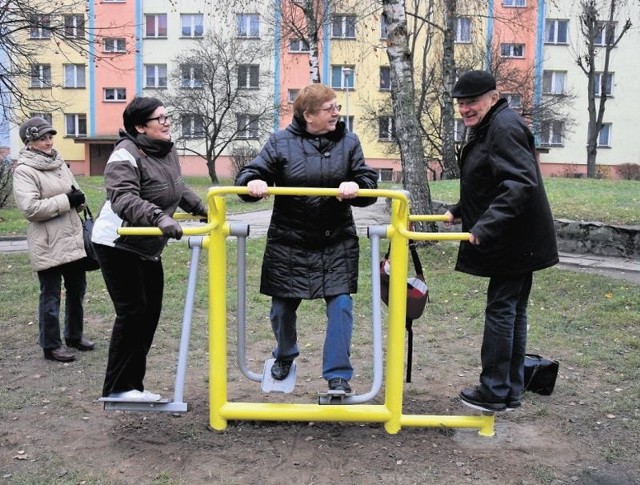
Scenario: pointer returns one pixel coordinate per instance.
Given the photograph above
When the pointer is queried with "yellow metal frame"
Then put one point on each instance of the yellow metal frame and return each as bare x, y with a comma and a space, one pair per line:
389, 413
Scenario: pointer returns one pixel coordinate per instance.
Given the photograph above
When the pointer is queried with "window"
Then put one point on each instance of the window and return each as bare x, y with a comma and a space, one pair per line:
514, 3
248, 126
248, 25
343, 27
115, 94
155, 26
291, 95
552, 132
191, 76
604, 30
74, 26
155, 76
385, 78
248, 76
384, 28
40, 27
114, 45
74, 76
47, 116
386, 128
192, 25
463, 30
604, 136
298, 45
597, 84
348, 121
514, 100
459, 131
75, 125
41, 76
553, 82
512, 50
192, 126
555, 31
342, 77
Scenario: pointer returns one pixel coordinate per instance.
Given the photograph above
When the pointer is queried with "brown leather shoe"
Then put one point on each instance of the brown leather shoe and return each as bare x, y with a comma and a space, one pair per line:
60, 354
83, 344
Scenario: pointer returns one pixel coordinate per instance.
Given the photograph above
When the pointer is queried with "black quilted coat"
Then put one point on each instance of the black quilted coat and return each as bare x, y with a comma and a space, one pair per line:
312, 247
503, 201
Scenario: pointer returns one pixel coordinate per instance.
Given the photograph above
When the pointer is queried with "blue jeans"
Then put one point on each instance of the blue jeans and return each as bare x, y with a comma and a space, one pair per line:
75, 285
337, 343
505, 337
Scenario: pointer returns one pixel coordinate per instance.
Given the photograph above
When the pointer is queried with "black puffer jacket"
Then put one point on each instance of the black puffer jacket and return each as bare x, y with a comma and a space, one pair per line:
503, 201
312, 247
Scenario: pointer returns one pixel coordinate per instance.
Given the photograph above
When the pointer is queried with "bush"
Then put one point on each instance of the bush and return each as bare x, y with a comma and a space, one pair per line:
240, 156
629, 171
6, 180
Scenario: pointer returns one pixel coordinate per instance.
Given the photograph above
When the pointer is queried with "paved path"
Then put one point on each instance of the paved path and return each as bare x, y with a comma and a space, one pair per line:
378, 214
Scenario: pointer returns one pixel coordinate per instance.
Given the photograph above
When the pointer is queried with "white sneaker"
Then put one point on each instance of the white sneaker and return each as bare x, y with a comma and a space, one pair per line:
135, 396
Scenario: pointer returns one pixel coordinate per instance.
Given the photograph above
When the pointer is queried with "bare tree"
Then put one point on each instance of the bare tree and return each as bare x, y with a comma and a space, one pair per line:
599, 35
58, 27
215, 92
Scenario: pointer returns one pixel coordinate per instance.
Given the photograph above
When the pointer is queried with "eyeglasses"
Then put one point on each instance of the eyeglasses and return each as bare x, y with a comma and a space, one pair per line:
330, 109
162, 119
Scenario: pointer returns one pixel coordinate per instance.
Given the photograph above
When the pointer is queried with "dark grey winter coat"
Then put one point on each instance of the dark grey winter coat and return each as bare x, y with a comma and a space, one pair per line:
312, 247
503, 201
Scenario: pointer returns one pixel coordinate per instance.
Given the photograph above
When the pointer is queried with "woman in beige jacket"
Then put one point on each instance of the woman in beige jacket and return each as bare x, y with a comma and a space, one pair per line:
46, 192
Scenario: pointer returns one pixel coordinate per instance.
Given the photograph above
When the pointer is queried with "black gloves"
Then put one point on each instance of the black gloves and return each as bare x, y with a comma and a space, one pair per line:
76, 197
169, 227
203, 211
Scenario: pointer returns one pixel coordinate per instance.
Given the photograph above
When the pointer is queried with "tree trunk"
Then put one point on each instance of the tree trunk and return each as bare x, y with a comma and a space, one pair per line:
407, 128
449, 160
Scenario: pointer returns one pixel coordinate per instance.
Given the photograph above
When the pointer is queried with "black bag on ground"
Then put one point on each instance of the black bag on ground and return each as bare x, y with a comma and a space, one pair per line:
91, 261
540, 374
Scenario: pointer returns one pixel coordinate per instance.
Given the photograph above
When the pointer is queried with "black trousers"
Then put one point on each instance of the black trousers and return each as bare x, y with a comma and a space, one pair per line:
75, 285
136, 287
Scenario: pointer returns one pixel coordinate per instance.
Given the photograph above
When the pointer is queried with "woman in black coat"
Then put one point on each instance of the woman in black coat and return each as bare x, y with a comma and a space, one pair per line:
312, 247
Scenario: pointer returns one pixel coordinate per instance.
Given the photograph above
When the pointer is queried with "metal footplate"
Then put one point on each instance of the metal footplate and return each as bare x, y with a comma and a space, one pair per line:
115, 404
332, 396
286, 385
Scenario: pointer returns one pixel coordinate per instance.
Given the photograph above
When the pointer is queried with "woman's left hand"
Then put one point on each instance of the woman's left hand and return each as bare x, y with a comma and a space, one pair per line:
348, 190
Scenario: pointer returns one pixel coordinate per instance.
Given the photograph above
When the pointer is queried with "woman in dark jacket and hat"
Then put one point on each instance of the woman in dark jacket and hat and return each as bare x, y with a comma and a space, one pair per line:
312, 247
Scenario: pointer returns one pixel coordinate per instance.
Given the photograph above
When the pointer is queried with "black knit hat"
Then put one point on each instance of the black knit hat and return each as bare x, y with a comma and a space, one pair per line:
34, 128
473, 83
138, 112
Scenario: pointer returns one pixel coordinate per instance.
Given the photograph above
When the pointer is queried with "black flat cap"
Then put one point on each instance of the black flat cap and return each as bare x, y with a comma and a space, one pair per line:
473, 83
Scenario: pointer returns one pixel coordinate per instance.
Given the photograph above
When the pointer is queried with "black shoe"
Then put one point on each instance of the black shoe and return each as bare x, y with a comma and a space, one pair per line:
473, 397
83, 344
60, 354
280, 369
513, 404
339, 384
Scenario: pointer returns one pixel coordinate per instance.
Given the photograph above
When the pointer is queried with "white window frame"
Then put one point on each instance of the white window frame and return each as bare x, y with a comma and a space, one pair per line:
512, 50
114, 44
384, 28
46, 116
248, 76
385, 78
552, 31
386, 128
75, 76
114, 95
459, 130
552, 133
601, 36
191, 25
345, 82
604, 135
191, 76
291, 95
74, 26
157, 72
463, 30
41, 78
514, 3
192, 126
554, 82
159, 22
248, 25
41, 28
514, 100
343, 26
297, 46
248, 126
597, 84
78, 124
348, 121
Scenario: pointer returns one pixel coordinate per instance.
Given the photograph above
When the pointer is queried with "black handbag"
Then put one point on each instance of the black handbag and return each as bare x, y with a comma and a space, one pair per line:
540, 374
91, 261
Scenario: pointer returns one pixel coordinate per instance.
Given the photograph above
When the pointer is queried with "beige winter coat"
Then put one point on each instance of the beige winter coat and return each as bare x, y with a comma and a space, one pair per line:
40, 185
